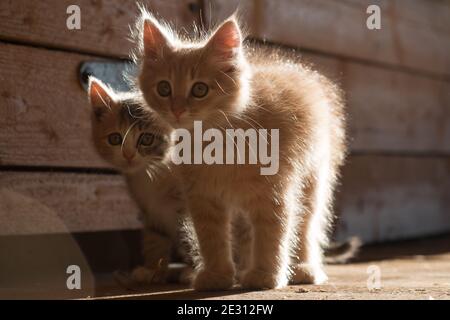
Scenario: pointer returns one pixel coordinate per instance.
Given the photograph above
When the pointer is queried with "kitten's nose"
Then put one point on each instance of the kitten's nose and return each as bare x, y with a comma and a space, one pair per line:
129, 156
178, 112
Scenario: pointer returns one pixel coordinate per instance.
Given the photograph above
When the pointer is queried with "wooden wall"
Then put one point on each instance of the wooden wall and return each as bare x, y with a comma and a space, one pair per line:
397, 83
396, 183
51, 179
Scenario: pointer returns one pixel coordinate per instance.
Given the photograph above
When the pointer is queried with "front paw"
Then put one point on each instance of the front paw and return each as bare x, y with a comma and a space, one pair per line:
304, 273
186, 275
259, 279
207, 280
146, 275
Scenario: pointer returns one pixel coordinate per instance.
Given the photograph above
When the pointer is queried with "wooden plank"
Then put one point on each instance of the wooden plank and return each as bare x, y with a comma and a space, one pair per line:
104, 24
433, 14
381, 198
44, 118
391, 111
389, 198
37, 203
415, 34
44, 112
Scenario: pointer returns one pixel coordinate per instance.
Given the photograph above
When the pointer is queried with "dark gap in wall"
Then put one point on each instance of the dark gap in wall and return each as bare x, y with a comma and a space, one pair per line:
401, 154
37, 45
51, 169
105, 171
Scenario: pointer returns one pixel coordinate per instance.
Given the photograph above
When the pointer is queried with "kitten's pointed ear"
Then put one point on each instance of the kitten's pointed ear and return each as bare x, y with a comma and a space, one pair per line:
100, 96
155, 40
227, 40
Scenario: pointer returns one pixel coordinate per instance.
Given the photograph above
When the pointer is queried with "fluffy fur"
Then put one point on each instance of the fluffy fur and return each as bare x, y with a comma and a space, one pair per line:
289, 212
150, 182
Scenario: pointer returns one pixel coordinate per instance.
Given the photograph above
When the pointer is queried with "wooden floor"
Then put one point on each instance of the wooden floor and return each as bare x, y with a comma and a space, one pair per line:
408, 270
418, 269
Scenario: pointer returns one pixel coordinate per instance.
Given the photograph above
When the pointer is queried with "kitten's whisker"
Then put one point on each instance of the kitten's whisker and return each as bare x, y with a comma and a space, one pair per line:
221, 88
226, 118
129, 112
126, 134
261, 107
236, 116
238, 154
149, 173
239, 117
234, 82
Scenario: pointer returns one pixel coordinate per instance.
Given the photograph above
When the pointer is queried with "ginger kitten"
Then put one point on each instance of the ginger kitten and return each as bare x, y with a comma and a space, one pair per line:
128, 137
220, 82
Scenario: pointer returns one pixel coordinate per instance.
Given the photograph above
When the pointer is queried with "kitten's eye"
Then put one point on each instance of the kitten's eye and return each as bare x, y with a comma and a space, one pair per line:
146, 139
199, 89
164, 89
115, 139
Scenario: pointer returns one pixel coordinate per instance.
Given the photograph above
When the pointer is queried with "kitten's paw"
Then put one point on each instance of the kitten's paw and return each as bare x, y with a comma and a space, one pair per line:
207, 280
149, 276
259, 279
304, 273
125, 280
186, 276
240, 275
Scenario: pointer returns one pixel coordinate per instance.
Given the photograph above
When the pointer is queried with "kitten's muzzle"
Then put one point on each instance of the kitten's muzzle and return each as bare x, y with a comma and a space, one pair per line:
177, 112
129, 156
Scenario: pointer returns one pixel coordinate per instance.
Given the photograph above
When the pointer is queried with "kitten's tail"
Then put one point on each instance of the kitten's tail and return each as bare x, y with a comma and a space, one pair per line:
339, 253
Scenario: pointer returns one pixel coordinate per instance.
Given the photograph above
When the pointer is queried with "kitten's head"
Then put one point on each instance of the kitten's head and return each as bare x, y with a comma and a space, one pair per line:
186, 80
125, 133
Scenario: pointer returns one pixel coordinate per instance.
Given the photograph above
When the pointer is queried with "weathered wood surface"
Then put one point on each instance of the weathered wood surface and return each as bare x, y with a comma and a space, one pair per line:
104, 24
44, 112
35, 203
387, 198
381, 198
414, 34
391, 111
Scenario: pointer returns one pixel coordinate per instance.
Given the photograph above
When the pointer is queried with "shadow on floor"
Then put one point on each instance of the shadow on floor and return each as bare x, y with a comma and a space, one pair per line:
404, 249
109, 290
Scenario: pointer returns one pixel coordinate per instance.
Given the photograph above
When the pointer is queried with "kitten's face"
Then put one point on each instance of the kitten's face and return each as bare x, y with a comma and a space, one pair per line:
123, 133
186, 83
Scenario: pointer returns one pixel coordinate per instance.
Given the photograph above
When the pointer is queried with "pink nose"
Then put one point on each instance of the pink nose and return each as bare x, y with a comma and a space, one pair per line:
129, 157
178, 112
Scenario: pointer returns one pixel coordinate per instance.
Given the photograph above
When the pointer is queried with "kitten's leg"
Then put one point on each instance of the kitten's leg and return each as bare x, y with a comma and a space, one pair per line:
188, 249
242, 243
156, 249
270, 258
212, 225
312, 232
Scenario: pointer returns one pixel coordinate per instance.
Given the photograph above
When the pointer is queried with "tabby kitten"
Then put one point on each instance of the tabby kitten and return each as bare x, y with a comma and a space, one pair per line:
213, 80
127, 137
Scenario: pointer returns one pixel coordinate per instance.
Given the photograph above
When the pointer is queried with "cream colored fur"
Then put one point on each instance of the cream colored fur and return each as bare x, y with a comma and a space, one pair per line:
289, 212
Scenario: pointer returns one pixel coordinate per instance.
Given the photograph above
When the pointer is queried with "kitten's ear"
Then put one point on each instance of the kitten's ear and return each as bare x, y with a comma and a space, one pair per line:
155, 39
226, 42
100, 96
